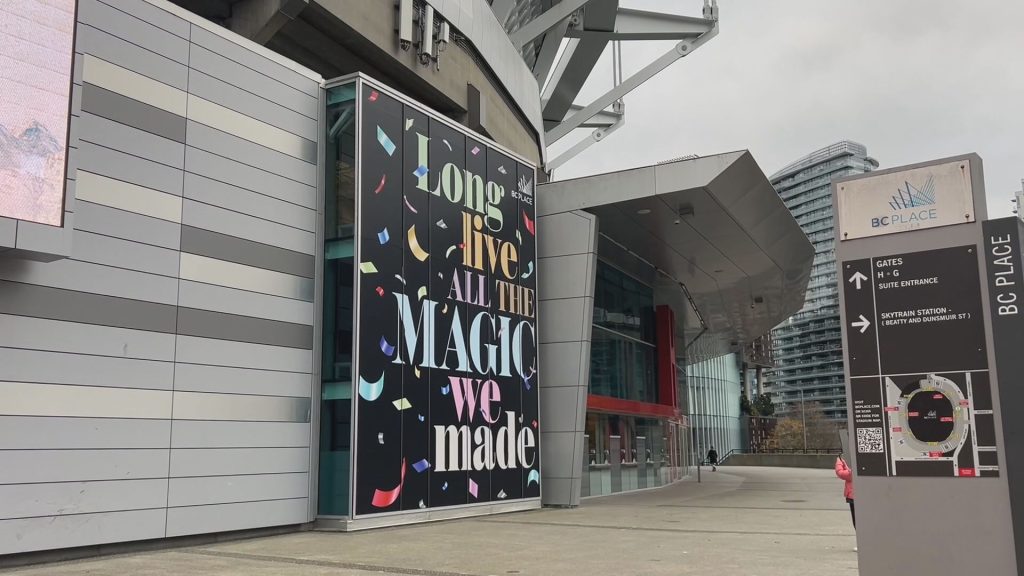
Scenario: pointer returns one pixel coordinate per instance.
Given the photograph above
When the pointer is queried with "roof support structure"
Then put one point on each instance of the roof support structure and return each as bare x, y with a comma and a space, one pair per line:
503, 9
678, 52
549, 51
546, 21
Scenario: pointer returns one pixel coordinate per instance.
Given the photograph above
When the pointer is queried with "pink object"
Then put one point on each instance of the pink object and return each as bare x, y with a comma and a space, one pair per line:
473, 488
385, 498
843, 472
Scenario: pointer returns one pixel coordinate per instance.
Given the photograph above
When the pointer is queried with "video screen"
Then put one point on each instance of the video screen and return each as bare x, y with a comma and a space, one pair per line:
36, 50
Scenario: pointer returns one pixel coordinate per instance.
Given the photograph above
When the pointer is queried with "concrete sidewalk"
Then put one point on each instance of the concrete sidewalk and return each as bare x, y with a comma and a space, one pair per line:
738, 521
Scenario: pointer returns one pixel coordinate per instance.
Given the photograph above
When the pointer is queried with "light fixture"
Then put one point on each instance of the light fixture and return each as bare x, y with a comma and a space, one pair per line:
643, 211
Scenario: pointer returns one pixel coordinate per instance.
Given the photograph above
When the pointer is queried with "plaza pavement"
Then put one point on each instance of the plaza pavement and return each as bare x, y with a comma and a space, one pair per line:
737, 521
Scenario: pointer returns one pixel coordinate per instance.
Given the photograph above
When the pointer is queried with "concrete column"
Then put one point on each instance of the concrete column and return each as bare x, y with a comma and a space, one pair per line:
567, 266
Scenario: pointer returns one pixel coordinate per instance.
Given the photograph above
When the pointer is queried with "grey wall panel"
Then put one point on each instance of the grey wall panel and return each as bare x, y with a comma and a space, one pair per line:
123, 195
31, 534
153, 15
113, 106
221, 326
244, 303
240, 354
44, 238
234, 461
214, 90
133, 169
242, 226
127, 225
248, 202
134, 30
254, 61
60, 368
230, 274
129, 83
72, 306
199, 378
226, 517
83, 276
198, 434
571, 269
131, 140
8, 232
91, 40
98, 352
220, 67
228, 489
239, 407
42, 433
36, 466
98, 249
56, 336
32, 500
240, 251
566, 320
32, 399
238, 174
217, 133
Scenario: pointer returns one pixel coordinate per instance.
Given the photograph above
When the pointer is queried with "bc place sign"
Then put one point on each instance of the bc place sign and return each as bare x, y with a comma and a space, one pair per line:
905, 200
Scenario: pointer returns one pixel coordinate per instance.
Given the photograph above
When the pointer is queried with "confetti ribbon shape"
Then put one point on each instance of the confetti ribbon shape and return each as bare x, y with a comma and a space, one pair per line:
385, 498
370, 391
421, 466
383, 237
529, 270
414, 245
386, 348
534, 476
529, 225
385, 141
383, 181
401, 404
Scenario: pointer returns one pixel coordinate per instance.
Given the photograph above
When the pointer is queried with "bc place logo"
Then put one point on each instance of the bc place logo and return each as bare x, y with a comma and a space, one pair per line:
910, 206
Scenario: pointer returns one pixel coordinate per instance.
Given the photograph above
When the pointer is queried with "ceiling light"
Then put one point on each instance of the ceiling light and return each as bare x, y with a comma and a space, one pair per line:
643, 211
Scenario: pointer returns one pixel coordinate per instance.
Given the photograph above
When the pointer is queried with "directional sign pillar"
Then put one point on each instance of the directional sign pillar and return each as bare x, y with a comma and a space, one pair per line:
935, 490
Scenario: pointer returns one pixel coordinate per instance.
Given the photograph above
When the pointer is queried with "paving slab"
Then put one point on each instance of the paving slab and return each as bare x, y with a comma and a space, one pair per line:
738, 521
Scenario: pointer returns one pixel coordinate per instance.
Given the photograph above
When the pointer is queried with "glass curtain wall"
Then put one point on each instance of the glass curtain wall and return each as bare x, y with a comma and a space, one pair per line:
339, 247
627, 452
714, 399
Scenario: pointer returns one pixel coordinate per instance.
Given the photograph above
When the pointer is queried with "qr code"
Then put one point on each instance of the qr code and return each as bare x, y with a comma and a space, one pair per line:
869, 441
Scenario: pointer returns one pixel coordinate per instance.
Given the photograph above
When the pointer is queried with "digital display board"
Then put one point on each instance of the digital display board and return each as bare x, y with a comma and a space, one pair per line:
446, 347
36, 50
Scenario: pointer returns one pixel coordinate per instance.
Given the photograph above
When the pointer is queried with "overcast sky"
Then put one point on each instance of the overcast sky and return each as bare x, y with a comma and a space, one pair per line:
913, 80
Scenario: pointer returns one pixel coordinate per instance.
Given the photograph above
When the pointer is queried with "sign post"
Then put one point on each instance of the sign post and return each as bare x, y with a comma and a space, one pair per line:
925, 432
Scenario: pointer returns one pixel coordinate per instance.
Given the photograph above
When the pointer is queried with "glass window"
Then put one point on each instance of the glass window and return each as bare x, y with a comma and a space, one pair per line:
339, 273
623, 304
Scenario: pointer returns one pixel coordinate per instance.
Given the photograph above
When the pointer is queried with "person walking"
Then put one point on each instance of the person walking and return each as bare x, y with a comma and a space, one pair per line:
844, 472
713, 459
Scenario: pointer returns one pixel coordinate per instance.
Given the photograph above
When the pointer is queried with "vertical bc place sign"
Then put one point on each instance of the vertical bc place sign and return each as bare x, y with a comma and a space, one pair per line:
920, 393
446, 356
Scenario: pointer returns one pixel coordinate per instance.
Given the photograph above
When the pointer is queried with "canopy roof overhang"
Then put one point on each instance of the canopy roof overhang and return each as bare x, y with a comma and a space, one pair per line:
709, 234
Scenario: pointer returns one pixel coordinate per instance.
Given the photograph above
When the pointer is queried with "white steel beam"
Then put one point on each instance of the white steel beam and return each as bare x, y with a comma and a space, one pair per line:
680, 51
643, 25
549, 51
594, 137
546, 21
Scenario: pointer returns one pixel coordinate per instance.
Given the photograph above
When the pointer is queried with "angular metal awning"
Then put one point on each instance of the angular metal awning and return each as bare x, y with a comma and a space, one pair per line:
709, 234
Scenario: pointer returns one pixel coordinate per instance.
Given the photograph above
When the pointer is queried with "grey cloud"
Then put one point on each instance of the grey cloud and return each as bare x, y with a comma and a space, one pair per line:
911, 79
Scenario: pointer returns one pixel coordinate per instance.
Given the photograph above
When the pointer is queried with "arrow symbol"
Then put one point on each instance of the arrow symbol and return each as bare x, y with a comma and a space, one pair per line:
858, 278
862, 324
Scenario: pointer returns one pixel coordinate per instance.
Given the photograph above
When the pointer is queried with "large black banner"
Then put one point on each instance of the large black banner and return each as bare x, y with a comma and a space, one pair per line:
446, 359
